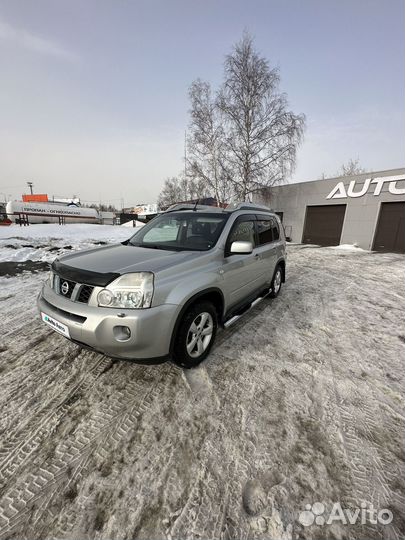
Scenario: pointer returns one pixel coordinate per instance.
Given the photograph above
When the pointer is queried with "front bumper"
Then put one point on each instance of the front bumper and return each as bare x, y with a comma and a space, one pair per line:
93, 327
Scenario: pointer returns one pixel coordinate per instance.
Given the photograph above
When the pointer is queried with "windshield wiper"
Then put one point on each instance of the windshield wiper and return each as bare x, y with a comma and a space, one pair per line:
165, 248
150, 246
154, 246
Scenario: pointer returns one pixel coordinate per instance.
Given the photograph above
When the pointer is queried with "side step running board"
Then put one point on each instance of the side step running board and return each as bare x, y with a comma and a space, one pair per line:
235, 318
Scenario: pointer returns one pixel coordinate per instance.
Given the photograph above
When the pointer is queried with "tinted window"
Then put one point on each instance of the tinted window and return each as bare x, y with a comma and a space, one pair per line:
243, 231
264, 227
276, 230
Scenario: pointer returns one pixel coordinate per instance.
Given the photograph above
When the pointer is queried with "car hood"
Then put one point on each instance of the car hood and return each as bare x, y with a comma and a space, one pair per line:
122, 259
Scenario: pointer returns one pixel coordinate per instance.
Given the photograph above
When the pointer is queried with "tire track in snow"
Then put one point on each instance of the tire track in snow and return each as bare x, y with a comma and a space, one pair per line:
367, 479
114, 434
16, 450
105, 429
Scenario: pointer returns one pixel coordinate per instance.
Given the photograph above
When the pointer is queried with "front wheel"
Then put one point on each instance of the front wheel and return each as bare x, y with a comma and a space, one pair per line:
196, 335
276, 282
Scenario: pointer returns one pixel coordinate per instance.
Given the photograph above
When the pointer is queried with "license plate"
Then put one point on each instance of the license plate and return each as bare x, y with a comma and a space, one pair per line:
56, 325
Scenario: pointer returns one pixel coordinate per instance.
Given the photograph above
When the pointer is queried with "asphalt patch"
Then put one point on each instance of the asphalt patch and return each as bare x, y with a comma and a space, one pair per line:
10, 269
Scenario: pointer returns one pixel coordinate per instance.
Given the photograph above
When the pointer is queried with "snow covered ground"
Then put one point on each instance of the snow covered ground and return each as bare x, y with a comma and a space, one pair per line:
300, 402
45, 242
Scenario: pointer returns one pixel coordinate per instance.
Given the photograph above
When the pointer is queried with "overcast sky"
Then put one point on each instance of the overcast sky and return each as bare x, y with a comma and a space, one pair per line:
93, 94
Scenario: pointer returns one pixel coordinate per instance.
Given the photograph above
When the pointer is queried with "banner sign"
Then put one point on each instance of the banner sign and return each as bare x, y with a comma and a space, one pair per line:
340, 191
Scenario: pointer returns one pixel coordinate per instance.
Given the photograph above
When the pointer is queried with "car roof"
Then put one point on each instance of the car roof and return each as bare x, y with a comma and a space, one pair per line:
234, 207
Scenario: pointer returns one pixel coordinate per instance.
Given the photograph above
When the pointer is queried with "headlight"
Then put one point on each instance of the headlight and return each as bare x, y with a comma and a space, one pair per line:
128, 291
50, 279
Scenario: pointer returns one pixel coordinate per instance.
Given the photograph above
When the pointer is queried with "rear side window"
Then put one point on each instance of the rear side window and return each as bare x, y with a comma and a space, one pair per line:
275, 229
265, 231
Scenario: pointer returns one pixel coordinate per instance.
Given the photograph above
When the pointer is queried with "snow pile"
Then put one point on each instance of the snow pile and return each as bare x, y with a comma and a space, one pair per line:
75, 231
133, 223
46, 241
348, 247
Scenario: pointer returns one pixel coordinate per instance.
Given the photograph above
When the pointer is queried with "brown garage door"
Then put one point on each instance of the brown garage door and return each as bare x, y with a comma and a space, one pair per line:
390, 233
323, 224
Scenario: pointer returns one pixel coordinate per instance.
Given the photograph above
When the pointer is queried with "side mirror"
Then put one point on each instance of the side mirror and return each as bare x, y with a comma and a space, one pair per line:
243, 248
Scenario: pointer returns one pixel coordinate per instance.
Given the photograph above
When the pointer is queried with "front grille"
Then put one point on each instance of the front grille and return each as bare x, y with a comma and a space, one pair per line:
85, 293
76, 292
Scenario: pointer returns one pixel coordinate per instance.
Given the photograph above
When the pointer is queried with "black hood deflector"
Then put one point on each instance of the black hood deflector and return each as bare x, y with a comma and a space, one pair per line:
79, 275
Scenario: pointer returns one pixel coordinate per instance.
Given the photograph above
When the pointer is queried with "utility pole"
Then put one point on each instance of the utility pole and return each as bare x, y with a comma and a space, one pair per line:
31, 185
185, 155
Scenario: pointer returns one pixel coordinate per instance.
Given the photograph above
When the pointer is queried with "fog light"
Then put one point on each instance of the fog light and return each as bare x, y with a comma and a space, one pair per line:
122, 333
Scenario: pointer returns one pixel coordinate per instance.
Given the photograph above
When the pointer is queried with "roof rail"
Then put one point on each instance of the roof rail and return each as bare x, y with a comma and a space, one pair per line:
233, 207
248, 206
182, 207
177, 207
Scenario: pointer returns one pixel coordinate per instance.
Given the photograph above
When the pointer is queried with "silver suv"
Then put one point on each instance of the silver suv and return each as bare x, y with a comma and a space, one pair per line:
163, 293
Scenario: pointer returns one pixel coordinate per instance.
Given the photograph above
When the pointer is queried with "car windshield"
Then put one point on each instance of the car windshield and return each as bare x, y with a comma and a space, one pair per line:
193, 231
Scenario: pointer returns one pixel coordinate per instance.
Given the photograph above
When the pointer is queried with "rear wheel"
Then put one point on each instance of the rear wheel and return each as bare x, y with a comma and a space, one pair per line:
196, 335
276, 282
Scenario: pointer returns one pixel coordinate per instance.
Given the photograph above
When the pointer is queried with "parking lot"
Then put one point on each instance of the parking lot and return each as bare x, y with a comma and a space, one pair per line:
299, 402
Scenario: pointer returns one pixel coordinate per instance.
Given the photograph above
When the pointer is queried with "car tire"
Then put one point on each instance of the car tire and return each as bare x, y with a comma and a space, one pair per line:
196, 335
276, 282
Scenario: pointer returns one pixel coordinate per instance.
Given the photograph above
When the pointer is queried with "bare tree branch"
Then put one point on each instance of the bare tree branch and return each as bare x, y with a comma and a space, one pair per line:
262, 135
243, 138
206, 143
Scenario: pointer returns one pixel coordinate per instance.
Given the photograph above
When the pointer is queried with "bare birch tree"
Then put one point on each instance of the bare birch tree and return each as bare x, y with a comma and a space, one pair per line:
245, 138
262, 135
